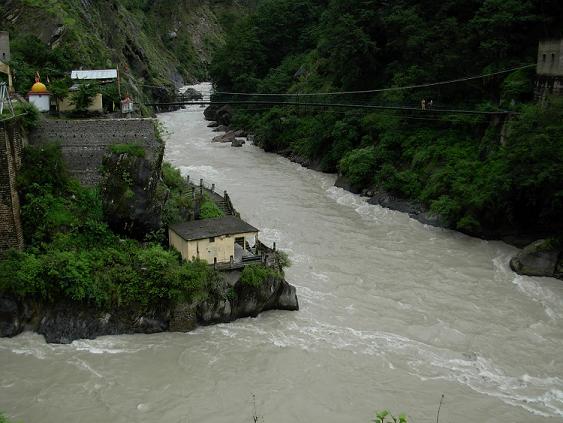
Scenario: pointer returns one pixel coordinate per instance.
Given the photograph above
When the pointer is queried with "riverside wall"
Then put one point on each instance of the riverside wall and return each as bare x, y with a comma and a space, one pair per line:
12, 141
84, 142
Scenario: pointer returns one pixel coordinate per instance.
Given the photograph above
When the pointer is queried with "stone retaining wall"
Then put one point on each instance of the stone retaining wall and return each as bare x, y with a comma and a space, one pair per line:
11, 145
84, 142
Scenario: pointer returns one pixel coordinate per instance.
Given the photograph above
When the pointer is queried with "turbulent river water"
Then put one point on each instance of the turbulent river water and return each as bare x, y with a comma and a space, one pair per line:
393, 315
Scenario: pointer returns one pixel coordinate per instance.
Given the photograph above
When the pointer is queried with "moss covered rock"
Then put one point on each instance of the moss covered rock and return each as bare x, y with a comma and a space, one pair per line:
541, 258
130, 202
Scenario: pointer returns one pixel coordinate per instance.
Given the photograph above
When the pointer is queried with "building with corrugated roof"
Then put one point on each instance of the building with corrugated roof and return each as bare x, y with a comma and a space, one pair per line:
98, 76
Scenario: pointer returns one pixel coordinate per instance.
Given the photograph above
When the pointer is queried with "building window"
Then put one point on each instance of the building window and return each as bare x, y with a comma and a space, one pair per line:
543, 58
212, 239
552, 57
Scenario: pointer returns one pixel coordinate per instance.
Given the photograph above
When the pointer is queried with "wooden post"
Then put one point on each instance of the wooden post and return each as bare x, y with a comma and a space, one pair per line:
212, 187
188, 179
232, 261
274, 246
201, 182
119, 85
215, 262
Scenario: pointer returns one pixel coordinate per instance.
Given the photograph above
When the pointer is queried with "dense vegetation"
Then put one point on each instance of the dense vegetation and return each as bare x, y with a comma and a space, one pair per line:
256, 274
454, 164
72, 255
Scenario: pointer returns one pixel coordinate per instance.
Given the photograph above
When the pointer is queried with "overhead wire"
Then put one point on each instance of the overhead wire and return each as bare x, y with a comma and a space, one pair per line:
380, 90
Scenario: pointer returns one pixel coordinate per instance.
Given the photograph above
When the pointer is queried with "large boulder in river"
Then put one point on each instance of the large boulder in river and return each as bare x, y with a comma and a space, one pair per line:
191, 94
237, 142
221, 128
228, 137
221, 114
11, 319
540, 258
210, 112
224, 115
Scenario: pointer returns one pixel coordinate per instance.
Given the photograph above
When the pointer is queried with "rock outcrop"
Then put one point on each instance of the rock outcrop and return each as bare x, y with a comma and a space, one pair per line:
249, 301
191, 94
65, 322
129, 195
221, 114
414, 209
541, 258
228, 137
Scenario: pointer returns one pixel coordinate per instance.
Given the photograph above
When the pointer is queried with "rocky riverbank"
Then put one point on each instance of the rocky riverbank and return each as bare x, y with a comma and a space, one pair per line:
65, 322
526, 263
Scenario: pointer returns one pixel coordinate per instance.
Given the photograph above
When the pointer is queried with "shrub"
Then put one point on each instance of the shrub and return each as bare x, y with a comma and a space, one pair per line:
43, 165
358, 166
256, 274
29, 114
209, 210
130, 149
172, 177
175, 193
84, 96
386, 417
283, 259
3, 419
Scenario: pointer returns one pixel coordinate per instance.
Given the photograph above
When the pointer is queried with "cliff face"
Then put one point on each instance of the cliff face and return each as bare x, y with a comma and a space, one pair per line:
63, 322
154, 43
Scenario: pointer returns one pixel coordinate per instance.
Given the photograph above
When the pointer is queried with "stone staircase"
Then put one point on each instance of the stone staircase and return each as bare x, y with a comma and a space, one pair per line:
224, 204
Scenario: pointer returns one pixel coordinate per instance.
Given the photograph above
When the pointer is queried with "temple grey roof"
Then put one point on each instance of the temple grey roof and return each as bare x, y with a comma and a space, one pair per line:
208, 228
94, 74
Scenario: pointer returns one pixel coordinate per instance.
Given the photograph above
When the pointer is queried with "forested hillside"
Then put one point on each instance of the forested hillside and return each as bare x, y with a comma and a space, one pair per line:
156, 44
454, 164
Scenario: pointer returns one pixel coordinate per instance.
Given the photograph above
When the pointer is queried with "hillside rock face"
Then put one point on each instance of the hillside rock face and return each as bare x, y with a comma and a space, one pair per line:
541, 258
65, 322
129, 197
159, 44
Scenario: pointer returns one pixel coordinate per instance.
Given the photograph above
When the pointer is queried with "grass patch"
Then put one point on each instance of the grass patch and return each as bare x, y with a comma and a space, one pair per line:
130, 149
210, 210
256, 274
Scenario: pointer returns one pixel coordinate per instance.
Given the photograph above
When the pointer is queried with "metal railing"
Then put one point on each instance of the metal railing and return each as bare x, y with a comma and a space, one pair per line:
261, 254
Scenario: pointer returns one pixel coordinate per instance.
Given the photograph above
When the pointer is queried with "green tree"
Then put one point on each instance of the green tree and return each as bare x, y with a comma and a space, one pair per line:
83, 97
60, 89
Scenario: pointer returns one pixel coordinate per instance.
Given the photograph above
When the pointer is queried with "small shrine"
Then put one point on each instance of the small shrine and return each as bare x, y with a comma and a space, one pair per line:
39, 96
